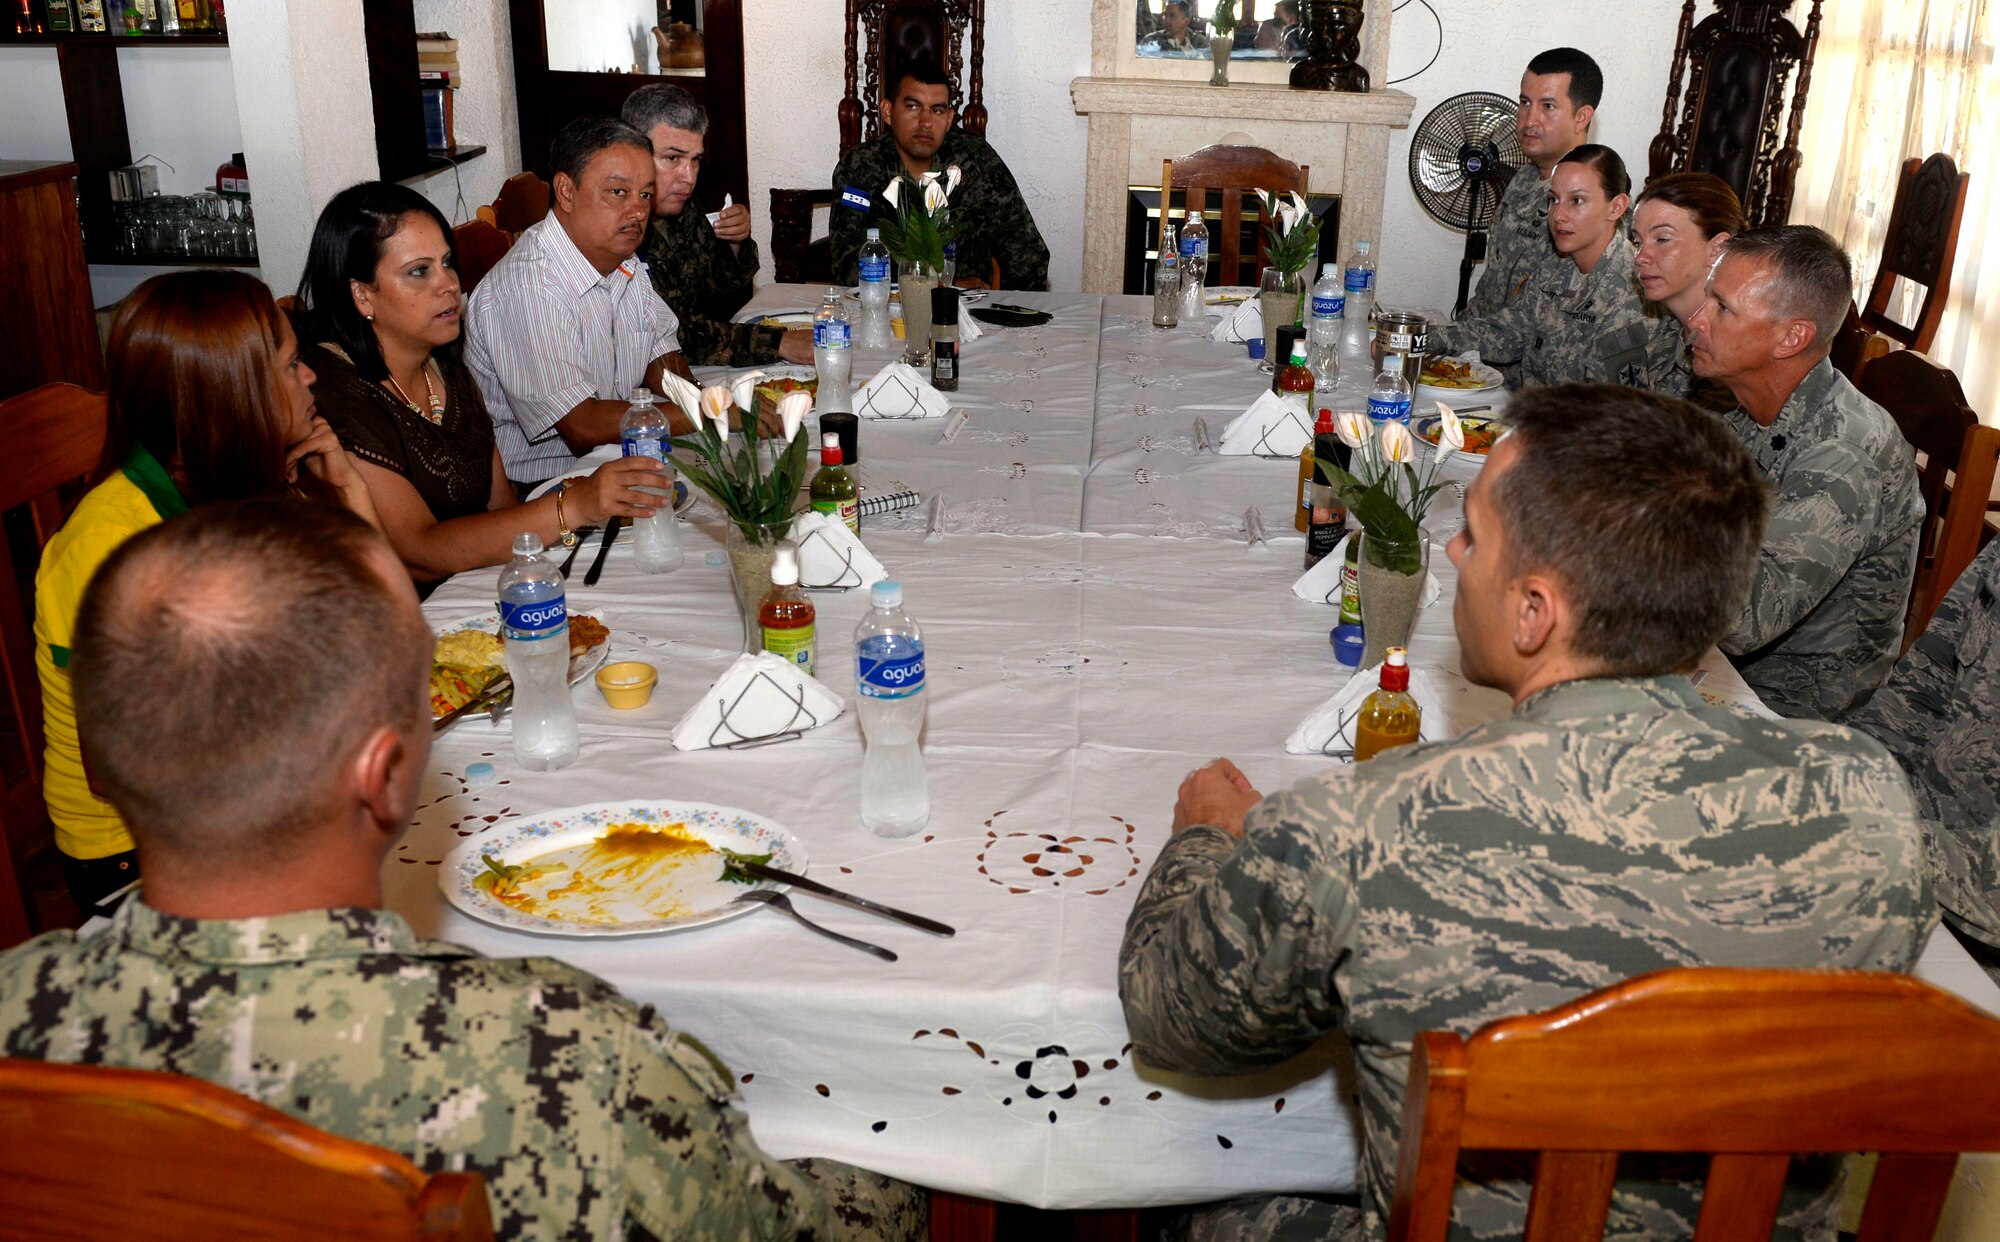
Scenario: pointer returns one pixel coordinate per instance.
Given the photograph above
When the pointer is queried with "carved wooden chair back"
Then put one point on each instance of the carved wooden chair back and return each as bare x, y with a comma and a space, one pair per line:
1748, 1065
883, 34
1231, 174
523, 200
797, 257
1920, 245
1930, 409
480, 246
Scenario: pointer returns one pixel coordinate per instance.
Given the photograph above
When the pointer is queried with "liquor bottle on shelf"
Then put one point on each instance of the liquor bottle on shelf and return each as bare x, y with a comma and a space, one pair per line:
62, 17
194, 14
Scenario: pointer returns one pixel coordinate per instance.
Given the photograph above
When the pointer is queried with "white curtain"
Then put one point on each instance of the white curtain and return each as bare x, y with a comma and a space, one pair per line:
1895, 80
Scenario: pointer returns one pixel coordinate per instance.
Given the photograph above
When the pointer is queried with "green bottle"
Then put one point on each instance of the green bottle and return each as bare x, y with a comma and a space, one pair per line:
833, 489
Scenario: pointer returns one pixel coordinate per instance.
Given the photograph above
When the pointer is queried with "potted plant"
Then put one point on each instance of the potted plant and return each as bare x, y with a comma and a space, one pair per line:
916, 239
1222, 40
1291, 239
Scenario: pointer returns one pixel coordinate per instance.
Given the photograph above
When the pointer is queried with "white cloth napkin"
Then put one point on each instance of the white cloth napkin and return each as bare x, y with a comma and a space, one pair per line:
1329, 730
969, 329
759, 696
899, 391
1272, 426
1243, 322
1321, 583
830, 555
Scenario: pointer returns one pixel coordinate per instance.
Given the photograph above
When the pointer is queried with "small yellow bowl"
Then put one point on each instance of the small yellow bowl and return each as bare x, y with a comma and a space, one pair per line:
627, 684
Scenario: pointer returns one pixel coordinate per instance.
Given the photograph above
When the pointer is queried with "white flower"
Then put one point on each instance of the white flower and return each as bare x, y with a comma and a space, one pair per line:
934, 196
1398, 445
792, 410
952, 176
1352, 428
1451, 431
715, 404
893, 192
744, 390
927, 178
1299, 209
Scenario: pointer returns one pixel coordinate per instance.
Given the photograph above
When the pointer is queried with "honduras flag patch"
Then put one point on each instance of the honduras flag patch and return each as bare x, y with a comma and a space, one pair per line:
856, 199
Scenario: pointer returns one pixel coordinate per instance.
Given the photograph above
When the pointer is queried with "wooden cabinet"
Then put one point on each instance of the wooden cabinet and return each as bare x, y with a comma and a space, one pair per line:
47, 328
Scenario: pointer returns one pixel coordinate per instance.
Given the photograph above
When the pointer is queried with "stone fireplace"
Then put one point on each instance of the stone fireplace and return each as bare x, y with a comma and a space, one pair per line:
1145, 110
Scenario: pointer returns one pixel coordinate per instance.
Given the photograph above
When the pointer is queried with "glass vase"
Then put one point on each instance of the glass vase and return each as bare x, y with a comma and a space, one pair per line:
1219, 47
1278, 302
918, 281
1392, 574
752, 547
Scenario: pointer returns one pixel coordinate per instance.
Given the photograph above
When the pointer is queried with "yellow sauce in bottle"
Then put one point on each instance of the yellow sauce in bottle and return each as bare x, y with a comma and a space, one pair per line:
1389, 717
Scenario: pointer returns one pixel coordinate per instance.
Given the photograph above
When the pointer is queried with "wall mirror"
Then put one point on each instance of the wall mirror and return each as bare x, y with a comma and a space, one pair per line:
1267, 30
664, 38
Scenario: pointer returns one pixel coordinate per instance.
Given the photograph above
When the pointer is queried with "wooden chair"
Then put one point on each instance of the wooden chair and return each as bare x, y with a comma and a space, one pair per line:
1232, 173
480, 245
882, 34
1735, 119
1920, 245
1750, 1065
797, 257
1854, 345
111, 1153
523, 200
55, 436
1958, 456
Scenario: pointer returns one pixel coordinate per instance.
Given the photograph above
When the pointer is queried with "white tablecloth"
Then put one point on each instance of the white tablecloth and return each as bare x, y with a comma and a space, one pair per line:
1075, 676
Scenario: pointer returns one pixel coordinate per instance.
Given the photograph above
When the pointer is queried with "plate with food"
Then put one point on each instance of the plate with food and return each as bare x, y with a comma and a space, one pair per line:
1449, 378
1480, 433
468, 657
616, 868
1227, 295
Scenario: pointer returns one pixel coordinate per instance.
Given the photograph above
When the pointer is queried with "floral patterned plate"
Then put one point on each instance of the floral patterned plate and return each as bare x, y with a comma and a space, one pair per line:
614, 868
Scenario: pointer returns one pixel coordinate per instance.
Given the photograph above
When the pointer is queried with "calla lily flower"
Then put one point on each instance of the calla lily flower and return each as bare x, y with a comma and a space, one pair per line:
1352, 427
928, 177
1398, 445
744, 391
715, 404
952, 176
1451, 431
893, 192
934, 196
792, 410
1299, 209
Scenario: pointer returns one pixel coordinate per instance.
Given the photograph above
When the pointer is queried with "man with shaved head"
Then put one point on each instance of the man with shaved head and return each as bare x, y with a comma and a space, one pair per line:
251, 693
1824, 621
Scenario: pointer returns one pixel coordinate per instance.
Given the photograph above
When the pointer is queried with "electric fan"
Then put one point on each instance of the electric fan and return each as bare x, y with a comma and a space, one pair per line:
1461, 158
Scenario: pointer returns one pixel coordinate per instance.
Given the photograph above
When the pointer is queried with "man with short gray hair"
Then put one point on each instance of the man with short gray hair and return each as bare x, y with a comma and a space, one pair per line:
1825, 616
703, 266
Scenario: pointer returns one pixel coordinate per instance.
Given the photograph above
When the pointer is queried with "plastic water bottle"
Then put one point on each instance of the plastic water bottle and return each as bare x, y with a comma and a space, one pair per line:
1194, 266
1329, 319
1360, 285
876, 332
833, 356
889, 686
656, 540
1389, 396
534, 624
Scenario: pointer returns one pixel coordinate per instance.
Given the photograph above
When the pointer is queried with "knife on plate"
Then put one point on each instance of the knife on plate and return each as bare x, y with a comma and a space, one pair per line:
496, 694
763, 872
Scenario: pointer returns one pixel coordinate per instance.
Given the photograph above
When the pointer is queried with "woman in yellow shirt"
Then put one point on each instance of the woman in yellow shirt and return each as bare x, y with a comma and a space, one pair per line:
208, 401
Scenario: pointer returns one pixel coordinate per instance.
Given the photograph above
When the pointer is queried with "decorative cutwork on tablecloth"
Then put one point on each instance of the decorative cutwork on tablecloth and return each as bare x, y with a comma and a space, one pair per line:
1029, 862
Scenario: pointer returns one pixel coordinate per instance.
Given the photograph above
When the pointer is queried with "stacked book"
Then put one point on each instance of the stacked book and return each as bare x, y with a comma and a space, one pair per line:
437, 69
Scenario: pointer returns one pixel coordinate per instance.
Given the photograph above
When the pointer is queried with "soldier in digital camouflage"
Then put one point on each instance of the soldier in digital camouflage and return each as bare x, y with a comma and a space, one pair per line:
1680, 222
258, 956
1939, 714
1559, 95
704, 272
1824, 620
918, 136
1582, 319
1615, 824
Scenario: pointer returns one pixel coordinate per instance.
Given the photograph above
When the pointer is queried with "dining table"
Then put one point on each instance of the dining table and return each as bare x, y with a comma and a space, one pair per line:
1106, 604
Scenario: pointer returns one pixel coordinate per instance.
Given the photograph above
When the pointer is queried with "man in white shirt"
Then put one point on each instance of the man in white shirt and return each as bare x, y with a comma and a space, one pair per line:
562, 330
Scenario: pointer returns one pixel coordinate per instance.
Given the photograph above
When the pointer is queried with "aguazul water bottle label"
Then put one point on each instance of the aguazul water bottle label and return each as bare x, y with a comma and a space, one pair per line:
654, 447
1194, 247
1389, 409
831, 333
881, 673
874, 269
1334, 307
1359, 280
533, 620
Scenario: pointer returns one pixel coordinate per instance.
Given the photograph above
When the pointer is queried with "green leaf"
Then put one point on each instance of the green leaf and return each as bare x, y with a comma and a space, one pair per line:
733, 861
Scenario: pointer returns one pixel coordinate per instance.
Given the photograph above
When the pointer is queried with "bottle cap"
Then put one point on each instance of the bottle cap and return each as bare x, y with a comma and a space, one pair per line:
944, 306
785, 566
1323, 426
874, 234
1299, 352
642, 395
1396, 669
887, 593
1363, 246
829, 448
1327, 270
1256, 347
1348, 644
527, 543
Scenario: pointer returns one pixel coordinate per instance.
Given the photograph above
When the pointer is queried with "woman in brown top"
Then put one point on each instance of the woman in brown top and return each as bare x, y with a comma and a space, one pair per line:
379, 309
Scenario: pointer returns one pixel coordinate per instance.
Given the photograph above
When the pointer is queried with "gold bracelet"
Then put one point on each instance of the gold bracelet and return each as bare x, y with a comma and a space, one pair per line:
563, 531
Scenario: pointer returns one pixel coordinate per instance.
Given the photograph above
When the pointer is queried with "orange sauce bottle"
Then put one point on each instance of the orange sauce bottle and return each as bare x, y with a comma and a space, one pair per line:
786, 616
1389, 717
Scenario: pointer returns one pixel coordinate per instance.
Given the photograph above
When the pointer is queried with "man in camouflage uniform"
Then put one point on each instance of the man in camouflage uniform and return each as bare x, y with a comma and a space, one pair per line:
258, 957
1939, 714
1615, 824
1824, 620
918, 136
1559, 96
704, 272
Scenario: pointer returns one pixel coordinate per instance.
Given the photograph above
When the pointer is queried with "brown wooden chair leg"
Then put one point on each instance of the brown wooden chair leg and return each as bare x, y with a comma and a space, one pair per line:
961, 1218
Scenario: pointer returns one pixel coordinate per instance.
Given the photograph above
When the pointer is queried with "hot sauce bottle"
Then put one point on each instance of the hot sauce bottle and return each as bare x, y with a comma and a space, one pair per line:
786, 616
1389, 717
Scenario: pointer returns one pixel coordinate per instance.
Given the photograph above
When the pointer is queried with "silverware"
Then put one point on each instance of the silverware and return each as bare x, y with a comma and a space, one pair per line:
862, 903
772, 897
582, 533
497, 694
603, 550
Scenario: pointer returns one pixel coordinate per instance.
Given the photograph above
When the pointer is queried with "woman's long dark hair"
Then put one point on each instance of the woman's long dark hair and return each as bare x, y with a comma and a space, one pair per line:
193, 360
347, 246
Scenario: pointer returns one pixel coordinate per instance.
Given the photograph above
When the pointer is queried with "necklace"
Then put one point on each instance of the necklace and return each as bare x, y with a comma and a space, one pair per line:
436, 413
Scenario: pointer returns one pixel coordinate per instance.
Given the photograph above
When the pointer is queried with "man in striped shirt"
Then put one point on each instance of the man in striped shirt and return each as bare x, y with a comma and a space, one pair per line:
562, 330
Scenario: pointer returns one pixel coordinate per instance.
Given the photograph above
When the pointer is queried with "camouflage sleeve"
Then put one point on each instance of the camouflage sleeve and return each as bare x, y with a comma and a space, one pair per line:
1229, 955
1916, 699
693, 1171
1501, 337
704, 283
1819, 521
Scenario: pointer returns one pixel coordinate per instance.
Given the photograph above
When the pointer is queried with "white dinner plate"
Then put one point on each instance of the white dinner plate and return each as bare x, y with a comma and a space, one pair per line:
671, 893
580, 666
896, 292
1227, 295
1490, 381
